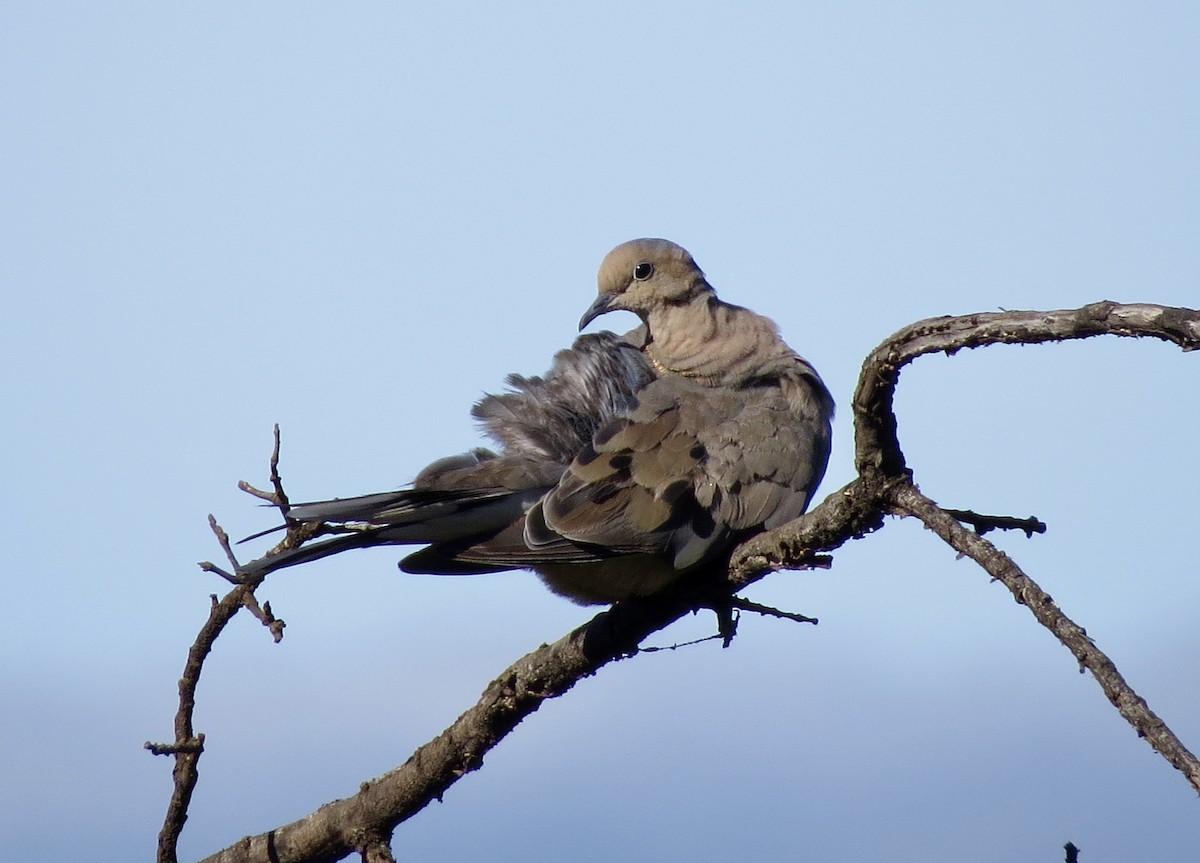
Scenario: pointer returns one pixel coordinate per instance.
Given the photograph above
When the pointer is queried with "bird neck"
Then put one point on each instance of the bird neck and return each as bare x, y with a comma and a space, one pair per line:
713, 343
665, 370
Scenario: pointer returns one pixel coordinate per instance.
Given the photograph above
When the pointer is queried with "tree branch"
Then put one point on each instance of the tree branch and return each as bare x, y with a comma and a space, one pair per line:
907, 500
876, 443
883, 486
338, 828
188, 746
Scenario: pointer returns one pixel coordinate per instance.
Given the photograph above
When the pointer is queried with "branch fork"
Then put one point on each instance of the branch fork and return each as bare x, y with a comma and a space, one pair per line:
884, 486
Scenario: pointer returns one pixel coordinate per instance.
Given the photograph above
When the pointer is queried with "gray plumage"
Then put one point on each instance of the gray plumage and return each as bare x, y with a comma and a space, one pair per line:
634, 460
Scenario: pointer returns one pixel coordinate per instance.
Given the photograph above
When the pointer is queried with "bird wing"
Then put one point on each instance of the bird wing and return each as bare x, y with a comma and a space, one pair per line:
471, 507
690, 466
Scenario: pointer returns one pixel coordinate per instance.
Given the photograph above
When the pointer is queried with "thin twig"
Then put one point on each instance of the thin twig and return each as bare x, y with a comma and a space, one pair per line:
223, 539
209, 566
716, 636
265, 616
187, 756
269, 496
768, 611
281, 498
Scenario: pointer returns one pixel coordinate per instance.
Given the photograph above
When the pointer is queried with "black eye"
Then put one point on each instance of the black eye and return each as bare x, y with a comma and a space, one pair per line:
643, 271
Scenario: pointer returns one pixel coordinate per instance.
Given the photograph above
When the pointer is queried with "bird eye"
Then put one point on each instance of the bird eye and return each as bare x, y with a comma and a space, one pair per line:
643, 271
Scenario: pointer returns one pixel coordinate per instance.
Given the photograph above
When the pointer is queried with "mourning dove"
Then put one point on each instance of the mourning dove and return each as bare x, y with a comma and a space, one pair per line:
634, 460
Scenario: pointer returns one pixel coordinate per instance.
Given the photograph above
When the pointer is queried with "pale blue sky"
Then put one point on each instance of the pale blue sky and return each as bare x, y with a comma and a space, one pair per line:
354, 219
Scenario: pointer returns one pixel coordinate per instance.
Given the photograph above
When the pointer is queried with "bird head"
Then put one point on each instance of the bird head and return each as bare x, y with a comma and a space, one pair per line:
640, 275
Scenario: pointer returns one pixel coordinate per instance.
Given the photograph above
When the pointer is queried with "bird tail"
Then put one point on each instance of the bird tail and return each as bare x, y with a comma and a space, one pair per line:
410, 517
310, 552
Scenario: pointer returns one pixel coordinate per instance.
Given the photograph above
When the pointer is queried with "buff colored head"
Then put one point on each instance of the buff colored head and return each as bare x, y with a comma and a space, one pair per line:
641, 274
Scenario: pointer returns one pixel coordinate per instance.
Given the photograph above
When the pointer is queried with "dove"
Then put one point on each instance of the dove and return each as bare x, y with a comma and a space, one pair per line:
633, 461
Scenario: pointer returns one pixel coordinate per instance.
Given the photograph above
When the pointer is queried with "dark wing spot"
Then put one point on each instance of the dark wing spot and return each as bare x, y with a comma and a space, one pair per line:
703, 524
675, 490
609, 430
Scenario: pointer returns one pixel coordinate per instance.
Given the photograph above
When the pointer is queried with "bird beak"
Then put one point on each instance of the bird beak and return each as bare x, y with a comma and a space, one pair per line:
604, 303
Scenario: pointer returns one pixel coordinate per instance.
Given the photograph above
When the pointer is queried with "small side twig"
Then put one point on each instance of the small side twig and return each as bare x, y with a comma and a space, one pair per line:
983, 523
276, 480
223, 539
196, 745
716, 636
265, 616
209, 566
768, 611
909, 501
268, 496
278, 497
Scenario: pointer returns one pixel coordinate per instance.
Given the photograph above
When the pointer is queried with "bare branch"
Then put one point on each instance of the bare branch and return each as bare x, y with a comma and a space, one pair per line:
1025, 591
884, 476
876, 444
857, 508
188, 745
851, 512
365, 822
333, 831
